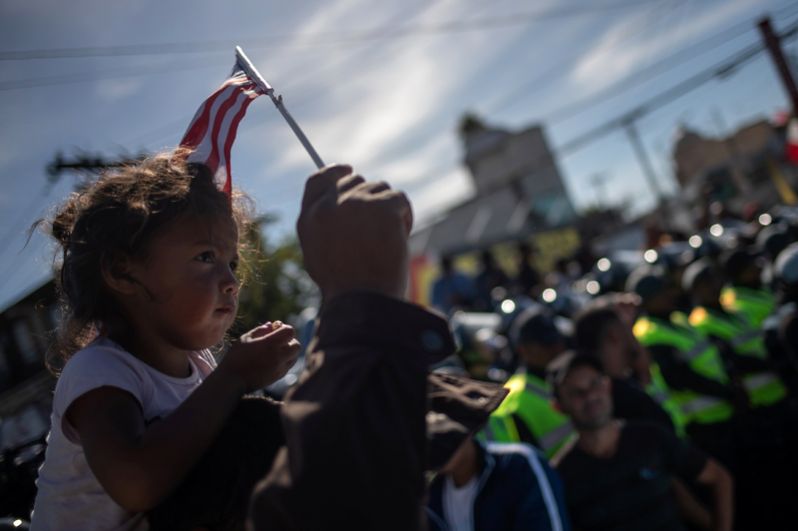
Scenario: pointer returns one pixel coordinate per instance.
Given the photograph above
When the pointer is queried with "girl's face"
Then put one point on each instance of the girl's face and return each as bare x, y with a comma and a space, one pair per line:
189, 294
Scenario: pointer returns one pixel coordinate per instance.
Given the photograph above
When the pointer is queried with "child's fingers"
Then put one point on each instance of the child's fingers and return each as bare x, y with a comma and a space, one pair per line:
258, 331
275, 336
283, 333
267, 329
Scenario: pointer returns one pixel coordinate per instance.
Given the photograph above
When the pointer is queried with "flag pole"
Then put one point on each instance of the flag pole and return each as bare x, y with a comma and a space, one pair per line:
255, 76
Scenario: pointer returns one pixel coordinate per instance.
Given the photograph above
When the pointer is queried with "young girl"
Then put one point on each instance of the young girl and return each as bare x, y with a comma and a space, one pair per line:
148, 281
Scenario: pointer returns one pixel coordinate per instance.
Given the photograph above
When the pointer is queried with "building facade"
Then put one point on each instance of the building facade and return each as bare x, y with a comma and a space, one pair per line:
26, 329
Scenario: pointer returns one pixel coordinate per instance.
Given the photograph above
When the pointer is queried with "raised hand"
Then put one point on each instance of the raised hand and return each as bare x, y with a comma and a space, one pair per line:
354, 233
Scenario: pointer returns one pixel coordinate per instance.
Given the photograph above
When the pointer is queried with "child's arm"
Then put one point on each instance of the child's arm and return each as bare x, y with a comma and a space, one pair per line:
139, 465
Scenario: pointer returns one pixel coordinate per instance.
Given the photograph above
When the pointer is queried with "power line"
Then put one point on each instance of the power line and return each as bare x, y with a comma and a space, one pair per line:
82, 77
167, 130
444, 166
538, 82
720, 70
570, 110
96, 164
379, 33
700, 47
318, 39
659, 100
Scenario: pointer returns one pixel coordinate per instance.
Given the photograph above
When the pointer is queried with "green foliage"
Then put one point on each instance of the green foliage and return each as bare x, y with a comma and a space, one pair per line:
275, 285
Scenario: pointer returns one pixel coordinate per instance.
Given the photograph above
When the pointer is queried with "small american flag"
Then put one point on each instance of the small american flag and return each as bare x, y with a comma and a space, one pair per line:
211, 133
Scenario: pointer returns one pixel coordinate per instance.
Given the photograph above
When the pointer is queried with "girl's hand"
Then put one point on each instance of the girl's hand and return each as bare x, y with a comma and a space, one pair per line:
139, 464
262, 356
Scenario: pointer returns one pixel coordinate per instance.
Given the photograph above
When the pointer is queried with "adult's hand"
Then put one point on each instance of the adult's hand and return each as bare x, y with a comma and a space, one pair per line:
354, 233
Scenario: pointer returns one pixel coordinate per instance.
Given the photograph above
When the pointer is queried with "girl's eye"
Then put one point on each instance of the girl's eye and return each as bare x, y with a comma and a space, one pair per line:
234, 265
207, 257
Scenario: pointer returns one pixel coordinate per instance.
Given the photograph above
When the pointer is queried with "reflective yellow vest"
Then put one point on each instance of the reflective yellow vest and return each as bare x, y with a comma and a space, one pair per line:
658, 390
701, 356
530, 401
764, 388
753, 304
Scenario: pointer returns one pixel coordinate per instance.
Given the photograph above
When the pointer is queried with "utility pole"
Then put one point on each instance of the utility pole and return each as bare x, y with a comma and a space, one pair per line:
773, 43
598, 181
87, 166
642, 157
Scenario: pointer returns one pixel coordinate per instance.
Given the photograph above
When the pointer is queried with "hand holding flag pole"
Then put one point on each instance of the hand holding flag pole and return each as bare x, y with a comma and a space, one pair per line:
254, 75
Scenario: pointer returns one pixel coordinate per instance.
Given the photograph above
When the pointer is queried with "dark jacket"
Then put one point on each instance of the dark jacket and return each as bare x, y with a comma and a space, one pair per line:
355, 427
516, 490
216, 492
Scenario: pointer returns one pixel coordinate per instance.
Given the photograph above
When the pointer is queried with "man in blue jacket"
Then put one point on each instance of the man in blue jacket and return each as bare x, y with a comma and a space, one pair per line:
496, 487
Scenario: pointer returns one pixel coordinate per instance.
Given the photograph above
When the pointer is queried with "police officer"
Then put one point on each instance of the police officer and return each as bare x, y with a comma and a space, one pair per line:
528, 414
689, 363
745, 294
741, 344
781, 328
761, 436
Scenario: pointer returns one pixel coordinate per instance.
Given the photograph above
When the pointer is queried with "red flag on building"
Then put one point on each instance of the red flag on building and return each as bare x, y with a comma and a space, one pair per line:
211, 133
791, 146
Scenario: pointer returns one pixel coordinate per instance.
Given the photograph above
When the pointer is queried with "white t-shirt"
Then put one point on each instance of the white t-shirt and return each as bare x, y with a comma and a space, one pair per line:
458, 504
69, 495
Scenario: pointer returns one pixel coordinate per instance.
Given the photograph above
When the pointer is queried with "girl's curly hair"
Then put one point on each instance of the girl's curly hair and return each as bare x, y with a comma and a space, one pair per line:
117, 216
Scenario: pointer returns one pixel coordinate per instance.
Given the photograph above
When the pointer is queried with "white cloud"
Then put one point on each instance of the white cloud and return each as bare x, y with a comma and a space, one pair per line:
419, 165
373, 106
6, 156
445, 191
616, 54
112, 90
378, 99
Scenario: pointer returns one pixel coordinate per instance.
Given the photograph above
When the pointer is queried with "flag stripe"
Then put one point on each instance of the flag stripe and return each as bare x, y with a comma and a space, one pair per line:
228, 145
215, 129
202, 149
221, 132
212, 131
199, 123
221, 125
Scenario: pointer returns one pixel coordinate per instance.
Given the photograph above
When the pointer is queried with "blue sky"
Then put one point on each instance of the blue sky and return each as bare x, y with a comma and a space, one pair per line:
380, 85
